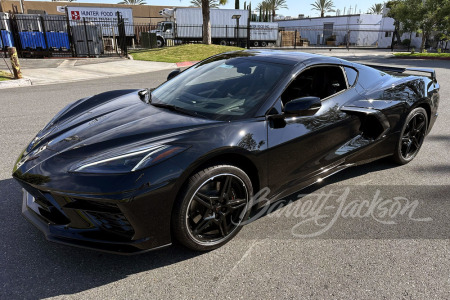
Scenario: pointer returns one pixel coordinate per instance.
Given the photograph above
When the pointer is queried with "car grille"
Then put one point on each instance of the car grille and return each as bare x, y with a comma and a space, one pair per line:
112, 222
81, 214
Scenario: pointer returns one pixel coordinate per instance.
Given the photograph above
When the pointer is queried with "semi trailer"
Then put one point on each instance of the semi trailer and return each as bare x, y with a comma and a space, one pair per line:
228, 27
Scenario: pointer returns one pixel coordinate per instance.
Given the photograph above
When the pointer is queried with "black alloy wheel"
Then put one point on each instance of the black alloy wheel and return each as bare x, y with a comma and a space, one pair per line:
412, 136
210, 211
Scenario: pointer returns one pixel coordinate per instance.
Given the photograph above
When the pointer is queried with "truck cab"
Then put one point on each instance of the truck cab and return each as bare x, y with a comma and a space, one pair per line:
164, 30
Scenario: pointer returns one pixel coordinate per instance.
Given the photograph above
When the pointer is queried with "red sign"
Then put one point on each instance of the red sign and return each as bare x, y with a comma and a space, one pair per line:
75, 15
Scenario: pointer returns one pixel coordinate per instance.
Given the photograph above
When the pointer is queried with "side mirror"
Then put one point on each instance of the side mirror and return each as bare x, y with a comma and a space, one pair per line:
173, 74
306, 106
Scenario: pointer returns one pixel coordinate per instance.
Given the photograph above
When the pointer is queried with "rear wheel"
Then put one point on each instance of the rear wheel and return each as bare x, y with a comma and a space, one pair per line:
223, 43
255, 44
210, 209
263, 44
412, 136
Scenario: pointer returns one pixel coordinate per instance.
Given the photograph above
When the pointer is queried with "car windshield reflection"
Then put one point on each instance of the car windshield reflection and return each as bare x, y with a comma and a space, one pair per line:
222, 89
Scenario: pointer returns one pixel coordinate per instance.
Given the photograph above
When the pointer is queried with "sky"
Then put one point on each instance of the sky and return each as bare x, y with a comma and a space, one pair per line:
295, 7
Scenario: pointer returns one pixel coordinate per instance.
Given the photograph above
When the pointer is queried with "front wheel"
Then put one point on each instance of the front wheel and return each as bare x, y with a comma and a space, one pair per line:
210, 209
412, 136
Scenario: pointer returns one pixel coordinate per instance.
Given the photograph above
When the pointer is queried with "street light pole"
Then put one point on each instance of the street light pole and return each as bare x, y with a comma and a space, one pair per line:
237, 17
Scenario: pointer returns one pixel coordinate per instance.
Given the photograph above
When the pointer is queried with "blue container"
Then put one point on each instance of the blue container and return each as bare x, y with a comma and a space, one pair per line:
32, 40
58, 40
7, 39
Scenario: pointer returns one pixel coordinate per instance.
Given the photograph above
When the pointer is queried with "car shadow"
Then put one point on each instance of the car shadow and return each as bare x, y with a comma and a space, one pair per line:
34, 267
44, 269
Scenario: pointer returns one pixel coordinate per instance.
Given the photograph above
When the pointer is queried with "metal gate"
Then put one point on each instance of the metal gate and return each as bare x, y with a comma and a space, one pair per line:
56, 35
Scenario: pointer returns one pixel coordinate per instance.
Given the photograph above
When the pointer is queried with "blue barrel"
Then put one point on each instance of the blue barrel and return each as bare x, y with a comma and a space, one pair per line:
7, 39
32, 40
58, 40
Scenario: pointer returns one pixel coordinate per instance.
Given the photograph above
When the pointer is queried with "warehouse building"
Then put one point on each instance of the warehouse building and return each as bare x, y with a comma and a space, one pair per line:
148, 14
357, 30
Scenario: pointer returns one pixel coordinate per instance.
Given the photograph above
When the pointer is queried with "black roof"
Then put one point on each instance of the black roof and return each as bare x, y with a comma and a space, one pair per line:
286, 57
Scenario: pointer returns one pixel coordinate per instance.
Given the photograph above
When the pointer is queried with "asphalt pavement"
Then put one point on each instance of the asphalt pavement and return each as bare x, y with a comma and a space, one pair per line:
276, 256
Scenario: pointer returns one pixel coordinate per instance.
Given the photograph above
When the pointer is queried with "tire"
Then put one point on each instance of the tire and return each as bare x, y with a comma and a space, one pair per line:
159, 43
412, 136
202, 220
223, 43
255, 44
263, 44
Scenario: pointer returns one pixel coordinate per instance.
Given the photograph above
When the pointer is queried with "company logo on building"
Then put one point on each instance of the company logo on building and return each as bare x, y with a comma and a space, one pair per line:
75, 15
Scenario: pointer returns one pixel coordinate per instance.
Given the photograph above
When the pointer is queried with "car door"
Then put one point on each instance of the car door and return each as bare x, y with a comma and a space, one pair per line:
299, 146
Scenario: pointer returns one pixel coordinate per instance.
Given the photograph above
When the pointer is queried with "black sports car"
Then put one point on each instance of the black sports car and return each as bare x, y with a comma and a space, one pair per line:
132, 170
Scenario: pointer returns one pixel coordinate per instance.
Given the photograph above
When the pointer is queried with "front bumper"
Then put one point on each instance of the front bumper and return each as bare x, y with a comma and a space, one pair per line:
102, 228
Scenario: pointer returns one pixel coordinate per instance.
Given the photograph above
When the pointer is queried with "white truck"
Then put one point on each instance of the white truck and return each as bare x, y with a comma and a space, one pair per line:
185, 25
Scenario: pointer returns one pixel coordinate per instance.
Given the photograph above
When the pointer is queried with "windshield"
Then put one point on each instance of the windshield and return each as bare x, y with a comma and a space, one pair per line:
222, 88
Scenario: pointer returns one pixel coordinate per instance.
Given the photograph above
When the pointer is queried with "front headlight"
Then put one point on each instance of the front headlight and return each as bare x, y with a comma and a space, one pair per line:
129, 161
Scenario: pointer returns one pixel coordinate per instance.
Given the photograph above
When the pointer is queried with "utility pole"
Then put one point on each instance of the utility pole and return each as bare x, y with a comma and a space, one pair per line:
12, 52
21, 6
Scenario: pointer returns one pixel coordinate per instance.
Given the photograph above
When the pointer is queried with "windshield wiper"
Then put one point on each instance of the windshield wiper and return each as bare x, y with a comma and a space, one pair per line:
178, 109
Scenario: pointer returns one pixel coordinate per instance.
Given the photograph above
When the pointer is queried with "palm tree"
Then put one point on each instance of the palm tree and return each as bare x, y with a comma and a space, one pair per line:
264, 7
198, 3
323, 6
276, 5
133, 2
376, 9
206, 20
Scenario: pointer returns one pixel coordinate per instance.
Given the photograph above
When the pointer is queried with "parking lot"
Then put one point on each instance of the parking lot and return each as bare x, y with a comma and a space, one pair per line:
356, 258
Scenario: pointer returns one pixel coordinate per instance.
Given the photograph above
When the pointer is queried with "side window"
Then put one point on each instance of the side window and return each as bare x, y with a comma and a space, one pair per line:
352, 74
167, 26
321, 82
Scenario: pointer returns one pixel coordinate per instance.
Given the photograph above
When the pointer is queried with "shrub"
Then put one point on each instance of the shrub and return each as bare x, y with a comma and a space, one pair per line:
406, 42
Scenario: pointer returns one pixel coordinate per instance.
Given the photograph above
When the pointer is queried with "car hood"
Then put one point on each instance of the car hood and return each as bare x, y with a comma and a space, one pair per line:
107, 121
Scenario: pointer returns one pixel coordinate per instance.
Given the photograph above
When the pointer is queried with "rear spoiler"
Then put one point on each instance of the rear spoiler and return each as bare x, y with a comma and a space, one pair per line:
431, 72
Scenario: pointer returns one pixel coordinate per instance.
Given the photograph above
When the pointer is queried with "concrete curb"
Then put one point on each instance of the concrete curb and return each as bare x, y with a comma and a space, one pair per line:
186, 64
421, 57
15, 83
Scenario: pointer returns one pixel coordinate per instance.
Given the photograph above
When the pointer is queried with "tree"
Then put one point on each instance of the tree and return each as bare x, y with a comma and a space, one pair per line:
206, 20
323, 6
236, 4
198, 3
424, 16
263, 8
376, 9
133, 2
275, 5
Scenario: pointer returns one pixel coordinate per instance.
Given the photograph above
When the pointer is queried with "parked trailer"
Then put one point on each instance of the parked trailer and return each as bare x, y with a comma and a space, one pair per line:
185, 25
263, 33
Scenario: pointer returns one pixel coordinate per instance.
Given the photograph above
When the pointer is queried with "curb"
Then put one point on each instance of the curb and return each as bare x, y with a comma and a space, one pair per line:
186, 63
15, 83
422, 57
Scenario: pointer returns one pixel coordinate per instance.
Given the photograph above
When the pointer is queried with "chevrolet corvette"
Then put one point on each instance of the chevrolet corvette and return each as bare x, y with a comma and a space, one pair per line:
128, 171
